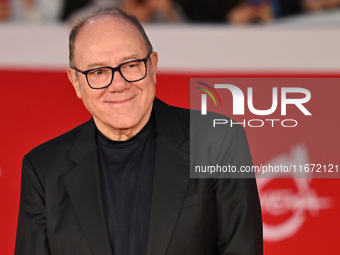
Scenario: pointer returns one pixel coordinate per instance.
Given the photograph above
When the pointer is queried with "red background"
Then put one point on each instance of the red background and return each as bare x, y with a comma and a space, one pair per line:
36, 106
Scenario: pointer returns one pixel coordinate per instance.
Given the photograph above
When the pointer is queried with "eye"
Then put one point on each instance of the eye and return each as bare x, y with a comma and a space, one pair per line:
97, 72
131, 65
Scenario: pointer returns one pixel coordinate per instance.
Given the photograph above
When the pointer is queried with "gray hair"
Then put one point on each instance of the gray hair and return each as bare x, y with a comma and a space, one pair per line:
114, 12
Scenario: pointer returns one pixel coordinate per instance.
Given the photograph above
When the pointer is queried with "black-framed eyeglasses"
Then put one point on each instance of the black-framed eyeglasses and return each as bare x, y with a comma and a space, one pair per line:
102, 77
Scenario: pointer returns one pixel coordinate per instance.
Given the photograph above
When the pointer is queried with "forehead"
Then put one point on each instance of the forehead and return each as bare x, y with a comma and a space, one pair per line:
109, 30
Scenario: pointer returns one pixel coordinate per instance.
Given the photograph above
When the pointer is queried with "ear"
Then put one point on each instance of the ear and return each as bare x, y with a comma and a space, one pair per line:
71, 73
154, 62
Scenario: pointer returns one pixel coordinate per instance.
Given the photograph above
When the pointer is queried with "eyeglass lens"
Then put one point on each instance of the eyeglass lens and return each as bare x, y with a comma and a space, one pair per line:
131, 71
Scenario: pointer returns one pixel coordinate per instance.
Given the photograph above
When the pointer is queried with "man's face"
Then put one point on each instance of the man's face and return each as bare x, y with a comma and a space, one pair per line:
123, 108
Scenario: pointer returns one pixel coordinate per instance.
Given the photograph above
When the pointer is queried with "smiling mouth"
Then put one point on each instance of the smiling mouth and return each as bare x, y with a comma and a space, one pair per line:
117, 102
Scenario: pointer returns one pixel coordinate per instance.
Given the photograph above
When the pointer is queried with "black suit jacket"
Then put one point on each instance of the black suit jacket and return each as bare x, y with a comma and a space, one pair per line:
61, 209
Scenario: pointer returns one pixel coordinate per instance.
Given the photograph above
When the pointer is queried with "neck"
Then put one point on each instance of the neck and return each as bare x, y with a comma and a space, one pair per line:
121, 134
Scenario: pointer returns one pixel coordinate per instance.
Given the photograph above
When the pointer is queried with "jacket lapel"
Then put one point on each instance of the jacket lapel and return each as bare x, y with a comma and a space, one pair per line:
83, 187
171, 177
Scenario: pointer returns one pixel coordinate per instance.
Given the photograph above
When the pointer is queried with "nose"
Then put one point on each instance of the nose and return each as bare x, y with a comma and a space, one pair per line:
118, 83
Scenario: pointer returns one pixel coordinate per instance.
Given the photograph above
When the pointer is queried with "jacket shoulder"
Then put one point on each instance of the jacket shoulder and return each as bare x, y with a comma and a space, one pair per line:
59, 145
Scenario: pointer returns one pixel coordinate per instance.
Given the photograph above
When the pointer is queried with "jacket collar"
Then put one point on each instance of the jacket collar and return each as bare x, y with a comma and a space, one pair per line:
168, 125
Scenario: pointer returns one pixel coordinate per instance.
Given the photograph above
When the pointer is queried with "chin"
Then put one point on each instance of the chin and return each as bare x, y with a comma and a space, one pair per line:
123, 124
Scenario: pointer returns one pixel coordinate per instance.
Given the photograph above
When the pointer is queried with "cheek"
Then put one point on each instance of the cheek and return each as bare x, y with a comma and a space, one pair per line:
147, 98
148, 90
90, 99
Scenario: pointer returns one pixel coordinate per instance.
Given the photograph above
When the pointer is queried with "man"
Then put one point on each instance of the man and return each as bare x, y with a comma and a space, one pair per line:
120, 183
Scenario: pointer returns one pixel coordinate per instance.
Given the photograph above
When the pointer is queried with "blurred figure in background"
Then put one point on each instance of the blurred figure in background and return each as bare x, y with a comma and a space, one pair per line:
73, 6
153, 10
251, 11
144, 10
263, 11
35, 10
207, 11
4, 10
71, 10
233, 11
42, 10
319, 5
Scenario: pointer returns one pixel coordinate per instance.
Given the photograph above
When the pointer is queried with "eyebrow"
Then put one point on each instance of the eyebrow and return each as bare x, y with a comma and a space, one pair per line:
131, 57
124, 59
95, 65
